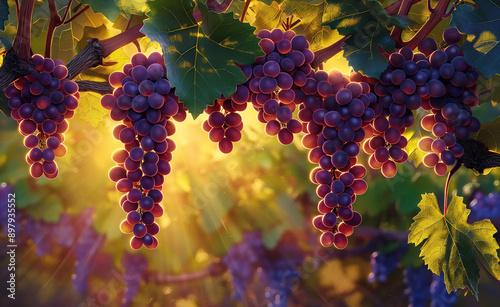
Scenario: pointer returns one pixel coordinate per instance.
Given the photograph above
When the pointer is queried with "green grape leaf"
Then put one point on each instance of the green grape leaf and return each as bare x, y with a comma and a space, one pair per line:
4, 13
132, 7
109, 8
48, 209
489, 133
368, 24
488, 89
451, 244
272, 236
200, 58
268, 2
90, 108
482, 26
311, 26
263, 16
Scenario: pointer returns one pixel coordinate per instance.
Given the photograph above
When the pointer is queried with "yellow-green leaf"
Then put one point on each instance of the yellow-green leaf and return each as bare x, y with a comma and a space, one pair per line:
90, 108
450, 244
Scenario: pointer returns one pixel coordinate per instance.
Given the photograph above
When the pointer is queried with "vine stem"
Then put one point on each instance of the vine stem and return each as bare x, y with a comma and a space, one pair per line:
22, 42
326, 53
243, 13
404, 9
55, 20
452, 171
393, 9
438, 13
96, 50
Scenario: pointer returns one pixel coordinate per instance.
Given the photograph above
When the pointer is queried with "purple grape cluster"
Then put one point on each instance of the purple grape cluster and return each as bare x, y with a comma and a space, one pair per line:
334, 115
417, 280
145, 103
224, 123
242, 260
400, 90
439, 295
134, 267
452, 87
279, 81
486, 207
279, 278
86, 245
277, 269
41, 103
383, 264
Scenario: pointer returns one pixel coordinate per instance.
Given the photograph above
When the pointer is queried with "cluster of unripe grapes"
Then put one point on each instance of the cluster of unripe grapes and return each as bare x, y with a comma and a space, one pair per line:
41, 103
145, 103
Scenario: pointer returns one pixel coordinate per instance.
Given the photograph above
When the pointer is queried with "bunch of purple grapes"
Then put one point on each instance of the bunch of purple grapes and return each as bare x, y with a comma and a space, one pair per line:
418, 281
279, 279
242, 260
134, 267
224, 124
278, 82
334, 115
452, 87
400, 90
86, 245
486, 207
277, 269
146, 104
41, 103
439, 295
383, 264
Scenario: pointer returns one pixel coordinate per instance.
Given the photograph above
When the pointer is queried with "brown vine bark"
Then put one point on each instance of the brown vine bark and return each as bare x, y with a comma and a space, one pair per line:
96, 50
436, 15
14, 67
94, 86
22, 42
322, 55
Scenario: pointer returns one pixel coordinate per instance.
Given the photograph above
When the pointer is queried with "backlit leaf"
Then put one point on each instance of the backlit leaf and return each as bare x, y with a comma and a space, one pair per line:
90, 108
451, 244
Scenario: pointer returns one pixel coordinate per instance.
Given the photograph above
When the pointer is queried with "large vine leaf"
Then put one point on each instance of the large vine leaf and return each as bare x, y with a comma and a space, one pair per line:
368, 25
108, 8
489, 133
4, 13
482, 25
451, 244
200, 58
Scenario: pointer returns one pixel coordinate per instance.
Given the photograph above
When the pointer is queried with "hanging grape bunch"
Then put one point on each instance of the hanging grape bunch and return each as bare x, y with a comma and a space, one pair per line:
145, 104
41, 103
452, 88
275, 79
334, 112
